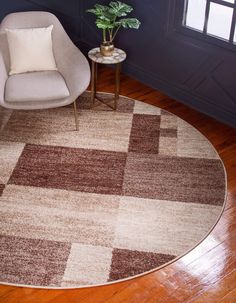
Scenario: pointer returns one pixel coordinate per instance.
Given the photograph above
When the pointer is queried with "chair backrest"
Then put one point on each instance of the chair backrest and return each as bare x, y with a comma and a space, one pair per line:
34, 19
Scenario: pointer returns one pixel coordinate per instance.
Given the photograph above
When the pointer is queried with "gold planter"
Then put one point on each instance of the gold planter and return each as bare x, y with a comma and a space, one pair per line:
107, 49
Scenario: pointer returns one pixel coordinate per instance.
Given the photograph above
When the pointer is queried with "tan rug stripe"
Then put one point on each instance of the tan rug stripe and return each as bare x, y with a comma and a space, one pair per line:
58, 215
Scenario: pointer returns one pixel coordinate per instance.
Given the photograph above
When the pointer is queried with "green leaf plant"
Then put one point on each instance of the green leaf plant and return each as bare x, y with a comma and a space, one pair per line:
110, 18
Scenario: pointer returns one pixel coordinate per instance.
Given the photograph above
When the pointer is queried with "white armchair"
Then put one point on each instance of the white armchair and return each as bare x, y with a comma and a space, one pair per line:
41, 90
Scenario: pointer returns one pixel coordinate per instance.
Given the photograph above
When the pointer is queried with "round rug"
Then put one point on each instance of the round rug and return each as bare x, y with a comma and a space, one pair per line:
132, 190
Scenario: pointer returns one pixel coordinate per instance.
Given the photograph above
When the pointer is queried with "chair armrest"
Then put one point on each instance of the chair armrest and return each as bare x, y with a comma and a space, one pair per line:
3, 72
74, 67
3, 79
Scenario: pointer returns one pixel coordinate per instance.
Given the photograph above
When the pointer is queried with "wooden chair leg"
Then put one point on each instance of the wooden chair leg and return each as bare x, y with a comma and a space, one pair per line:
76, 116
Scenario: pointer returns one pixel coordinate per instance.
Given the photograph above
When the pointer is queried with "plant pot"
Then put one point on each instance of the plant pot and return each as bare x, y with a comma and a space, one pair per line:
107, 49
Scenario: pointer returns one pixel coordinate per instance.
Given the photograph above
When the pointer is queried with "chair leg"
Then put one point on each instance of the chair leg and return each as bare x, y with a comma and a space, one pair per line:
76, 116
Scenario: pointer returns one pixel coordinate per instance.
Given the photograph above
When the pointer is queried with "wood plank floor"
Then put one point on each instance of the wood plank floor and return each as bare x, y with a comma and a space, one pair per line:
206, 274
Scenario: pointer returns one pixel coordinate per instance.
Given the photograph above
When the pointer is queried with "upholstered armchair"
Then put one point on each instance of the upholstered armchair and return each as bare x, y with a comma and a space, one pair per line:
46, 89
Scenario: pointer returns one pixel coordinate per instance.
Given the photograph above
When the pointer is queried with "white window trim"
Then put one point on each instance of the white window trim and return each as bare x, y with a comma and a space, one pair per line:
204, 32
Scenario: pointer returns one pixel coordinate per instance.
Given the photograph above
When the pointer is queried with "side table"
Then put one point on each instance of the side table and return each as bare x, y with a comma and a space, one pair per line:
96, 58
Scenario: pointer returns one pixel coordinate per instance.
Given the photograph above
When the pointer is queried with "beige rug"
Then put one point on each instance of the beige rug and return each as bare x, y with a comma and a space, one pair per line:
127, 193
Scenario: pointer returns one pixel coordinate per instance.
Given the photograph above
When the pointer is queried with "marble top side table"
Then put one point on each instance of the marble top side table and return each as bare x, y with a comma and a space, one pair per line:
96, 58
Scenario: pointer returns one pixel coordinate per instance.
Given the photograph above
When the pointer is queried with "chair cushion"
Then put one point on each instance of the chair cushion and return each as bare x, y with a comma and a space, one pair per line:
36, 86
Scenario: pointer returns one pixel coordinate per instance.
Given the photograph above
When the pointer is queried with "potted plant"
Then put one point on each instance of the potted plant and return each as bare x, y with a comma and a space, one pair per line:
110, 18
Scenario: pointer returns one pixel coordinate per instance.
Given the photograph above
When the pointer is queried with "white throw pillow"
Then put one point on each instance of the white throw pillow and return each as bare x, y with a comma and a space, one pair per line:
31, 50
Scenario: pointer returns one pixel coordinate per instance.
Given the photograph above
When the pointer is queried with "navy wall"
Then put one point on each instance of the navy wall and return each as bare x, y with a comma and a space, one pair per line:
190, 69
67, 11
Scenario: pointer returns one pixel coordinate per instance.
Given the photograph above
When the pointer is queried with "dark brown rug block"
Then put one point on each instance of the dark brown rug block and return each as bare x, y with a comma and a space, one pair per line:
175, 179
168, 132
76, 169
144, 137
126, 263
31, 261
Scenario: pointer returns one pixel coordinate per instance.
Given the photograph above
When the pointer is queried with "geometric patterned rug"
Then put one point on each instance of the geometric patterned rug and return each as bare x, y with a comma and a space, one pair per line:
132, 190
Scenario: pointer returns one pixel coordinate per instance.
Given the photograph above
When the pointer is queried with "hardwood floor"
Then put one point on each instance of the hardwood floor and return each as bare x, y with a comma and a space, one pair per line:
206, 274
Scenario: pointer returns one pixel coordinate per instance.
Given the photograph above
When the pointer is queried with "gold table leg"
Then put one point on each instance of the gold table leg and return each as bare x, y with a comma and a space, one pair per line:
95, 81
94, 85
76, 116
117, 88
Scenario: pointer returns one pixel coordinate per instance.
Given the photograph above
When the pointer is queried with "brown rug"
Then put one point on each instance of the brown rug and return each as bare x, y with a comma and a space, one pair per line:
127, 193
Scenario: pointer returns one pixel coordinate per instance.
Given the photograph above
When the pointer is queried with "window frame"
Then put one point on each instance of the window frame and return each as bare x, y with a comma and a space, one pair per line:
180, 24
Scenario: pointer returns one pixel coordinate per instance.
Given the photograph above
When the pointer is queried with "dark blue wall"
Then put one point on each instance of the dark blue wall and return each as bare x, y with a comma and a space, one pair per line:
67, 11
161, 54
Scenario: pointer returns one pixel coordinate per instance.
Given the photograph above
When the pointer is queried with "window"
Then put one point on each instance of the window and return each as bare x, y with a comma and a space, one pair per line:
215, 18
